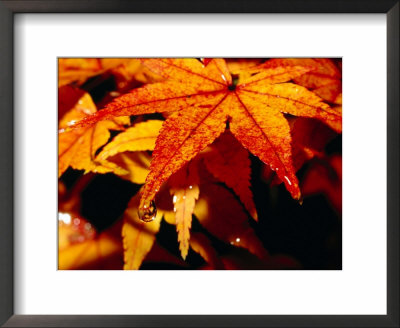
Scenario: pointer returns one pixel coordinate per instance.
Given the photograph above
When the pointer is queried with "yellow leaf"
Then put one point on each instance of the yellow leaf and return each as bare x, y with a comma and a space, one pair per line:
88, 253
185, 191
123, 154
77, 69
131, 166
77, 148
80, 247
138, 236
141, 136
115, 63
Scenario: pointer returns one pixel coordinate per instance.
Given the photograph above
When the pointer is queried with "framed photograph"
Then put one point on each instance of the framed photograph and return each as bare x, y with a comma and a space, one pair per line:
203, 164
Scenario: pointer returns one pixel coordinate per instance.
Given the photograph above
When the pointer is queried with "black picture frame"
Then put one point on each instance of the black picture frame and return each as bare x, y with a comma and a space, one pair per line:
7, 11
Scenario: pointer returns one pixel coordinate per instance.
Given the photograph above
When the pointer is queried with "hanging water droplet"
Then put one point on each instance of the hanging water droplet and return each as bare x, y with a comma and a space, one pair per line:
190, 187
148, 213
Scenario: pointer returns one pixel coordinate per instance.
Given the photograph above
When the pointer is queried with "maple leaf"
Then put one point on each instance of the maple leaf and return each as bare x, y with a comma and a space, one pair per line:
324, 79
138, 236
185, 191
203, 99
131, 166
224, 217
103, 251
325, 176
229, 162
125, 151
309, 138
68, 97
81, 247
202, 245
77, 148
159, 254
78, 70
242, 67
141, 136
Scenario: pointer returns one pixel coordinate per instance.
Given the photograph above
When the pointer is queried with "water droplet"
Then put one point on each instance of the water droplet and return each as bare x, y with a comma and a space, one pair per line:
148, 213
114, 94
174, 199
301, 200
223, 77
237, 239
64, 217
174, 209
80, 102
77, 221
72, 122
232, 243
190, 187
61, 130
184, 197
287, 179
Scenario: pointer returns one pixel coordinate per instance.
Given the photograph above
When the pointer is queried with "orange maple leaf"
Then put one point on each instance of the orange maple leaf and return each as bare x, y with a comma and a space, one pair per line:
77, 148
325, 176
223, 216
203, 99
229, 162
78, 70
309, 138
324, 79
